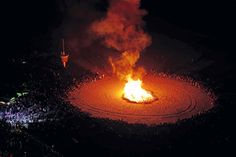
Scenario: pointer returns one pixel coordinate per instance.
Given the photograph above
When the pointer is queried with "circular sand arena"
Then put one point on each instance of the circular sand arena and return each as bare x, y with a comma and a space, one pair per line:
177, 99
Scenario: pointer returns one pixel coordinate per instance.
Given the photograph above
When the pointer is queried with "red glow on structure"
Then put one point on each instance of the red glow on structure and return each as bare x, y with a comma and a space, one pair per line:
64, 60
64, 56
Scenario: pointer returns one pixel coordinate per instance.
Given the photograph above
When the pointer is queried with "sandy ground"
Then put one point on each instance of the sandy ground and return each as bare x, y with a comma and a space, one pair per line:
177, 99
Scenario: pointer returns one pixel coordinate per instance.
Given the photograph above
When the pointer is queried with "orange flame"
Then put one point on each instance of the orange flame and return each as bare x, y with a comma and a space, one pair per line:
134, 92
122, 30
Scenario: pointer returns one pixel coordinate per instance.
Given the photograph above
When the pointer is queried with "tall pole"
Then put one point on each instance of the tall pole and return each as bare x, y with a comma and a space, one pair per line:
63, 47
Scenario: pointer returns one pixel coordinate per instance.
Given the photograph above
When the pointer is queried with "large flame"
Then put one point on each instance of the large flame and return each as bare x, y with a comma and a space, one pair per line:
122, 30
134, 92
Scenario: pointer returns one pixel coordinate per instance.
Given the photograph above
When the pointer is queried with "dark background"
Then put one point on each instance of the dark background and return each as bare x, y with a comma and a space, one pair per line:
23, 21
29, 26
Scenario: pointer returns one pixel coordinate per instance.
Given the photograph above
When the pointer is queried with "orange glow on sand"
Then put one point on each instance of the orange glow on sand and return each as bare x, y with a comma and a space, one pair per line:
177, 99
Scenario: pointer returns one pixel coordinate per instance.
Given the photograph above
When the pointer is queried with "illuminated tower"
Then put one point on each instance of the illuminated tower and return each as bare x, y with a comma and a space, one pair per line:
64, 56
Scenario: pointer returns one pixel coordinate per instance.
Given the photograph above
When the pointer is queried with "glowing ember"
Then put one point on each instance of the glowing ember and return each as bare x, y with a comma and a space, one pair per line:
134, 92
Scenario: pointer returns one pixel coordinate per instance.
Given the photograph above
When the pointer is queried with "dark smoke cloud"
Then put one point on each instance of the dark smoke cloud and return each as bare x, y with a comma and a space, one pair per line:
84, 50
122, 29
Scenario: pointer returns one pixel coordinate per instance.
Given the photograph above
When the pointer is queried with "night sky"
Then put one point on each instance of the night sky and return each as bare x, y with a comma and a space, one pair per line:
23, 21
29, 26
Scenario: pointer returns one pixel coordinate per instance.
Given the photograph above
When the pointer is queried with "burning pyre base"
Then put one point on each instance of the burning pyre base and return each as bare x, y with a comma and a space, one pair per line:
177, 99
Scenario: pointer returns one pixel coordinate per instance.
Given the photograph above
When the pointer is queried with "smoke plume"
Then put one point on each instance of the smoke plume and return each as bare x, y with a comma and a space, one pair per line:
122, 29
